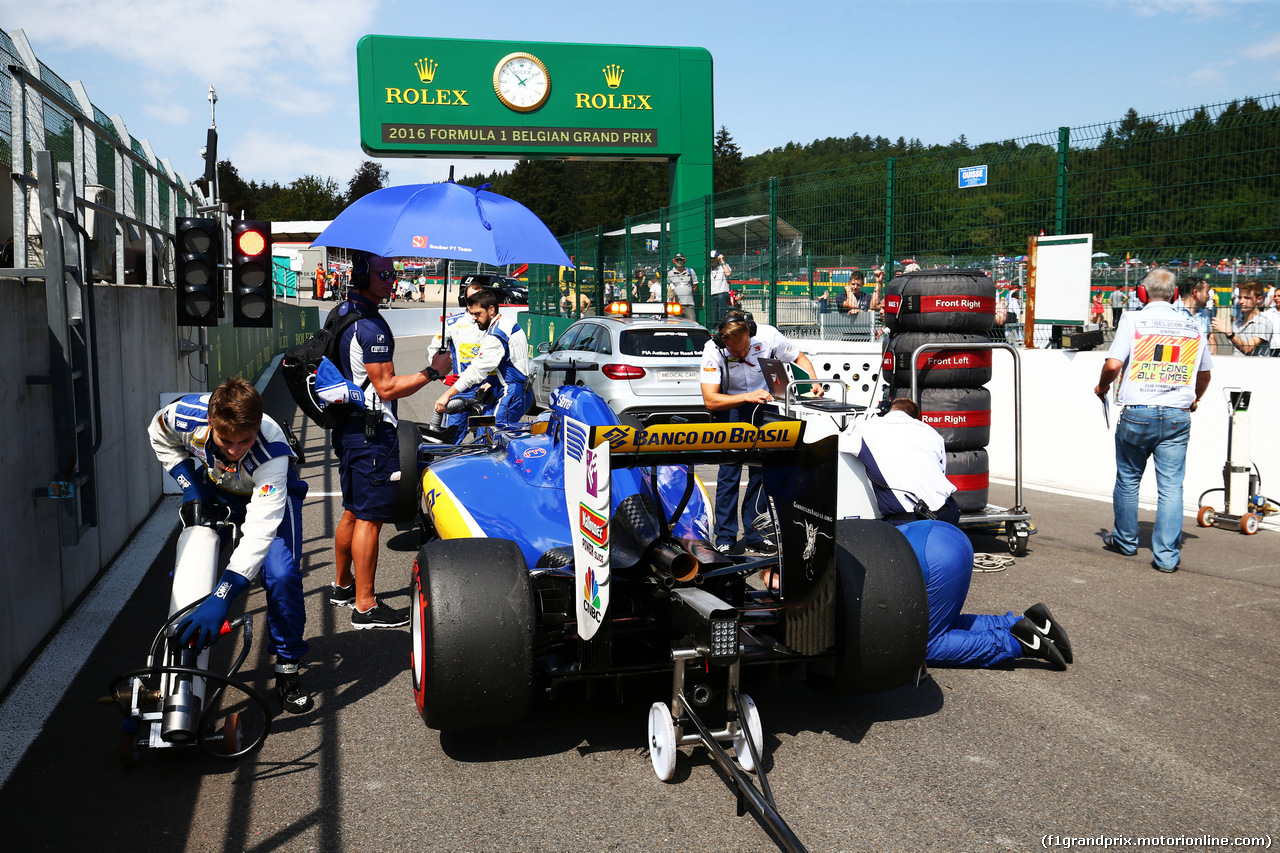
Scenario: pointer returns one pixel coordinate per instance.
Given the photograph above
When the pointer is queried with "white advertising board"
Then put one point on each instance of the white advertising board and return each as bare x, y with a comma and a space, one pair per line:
1062, 279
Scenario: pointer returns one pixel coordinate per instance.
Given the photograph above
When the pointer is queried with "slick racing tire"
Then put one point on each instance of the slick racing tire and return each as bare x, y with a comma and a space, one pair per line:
941, 301
410, 486
881, 610
969, 472
471, 625
962, 416
953, 368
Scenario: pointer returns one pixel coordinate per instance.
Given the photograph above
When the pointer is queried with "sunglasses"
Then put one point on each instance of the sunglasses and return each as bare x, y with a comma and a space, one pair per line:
383, 275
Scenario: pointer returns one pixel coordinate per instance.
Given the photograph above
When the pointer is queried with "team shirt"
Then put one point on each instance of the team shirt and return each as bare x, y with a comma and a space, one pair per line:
1162, 350
367, 341
906, 460
504, 352
462, 336
261, 479
744, 373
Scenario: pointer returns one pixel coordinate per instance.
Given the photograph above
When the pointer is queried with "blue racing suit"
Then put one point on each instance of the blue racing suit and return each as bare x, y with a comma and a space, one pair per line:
504, 351
956, 639
265, 495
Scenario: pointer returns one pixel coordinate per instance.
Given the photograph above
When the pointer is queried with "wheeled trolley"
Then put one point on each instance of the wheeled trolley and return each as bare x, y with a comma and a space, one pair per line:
1015, 520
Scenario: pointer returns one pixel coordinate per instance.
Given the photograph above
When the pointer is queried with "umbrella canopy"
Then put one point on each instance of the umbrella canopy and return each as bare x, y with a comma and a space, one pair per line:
444, 220
1101, 255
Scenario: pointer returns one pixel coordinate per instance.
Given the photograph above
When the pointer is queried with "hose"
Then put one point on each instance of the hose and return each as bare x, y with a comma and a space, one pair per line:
225, 681
985, 563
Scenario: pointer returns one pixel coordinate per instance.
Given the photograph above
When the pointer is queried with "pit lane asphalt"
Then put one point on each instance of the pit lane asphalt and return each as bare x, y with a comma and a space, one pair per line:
1167, 724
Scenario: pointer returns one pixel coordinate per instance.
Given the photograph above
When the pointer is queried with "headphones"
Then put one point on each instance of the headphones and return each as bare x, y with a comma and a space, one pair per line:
733, 316
1145, 297
359, 270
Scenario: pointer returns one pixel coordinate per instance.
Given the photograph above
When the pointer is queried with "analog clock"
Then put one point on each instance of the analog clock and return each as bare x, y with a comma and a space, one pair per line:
521, 82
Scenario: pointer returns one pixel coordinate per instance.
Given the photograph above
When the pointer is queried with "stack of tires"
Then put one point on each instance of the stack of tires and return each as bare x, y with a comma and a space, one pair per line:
951, 307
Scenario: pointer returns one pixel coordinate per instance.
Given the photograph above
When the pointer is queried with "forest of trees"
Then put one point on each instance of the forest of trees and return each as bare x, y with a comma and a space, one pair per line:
1195, 181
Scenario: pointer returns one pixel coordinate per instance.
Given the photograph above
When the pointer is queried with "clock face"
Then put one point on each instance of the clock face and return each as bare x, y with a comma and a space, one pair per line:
521, 82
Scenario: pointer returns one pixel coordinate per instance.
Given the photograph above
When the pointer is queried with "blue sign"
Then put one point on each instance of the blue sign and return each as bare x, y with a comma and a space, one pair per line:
973, 176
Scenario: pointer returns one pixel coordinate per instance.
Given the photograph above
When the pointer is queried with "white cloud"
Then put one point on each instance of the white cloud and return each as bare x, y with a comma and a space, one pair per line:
276, 50
1207, 76
170, 113
1263, 49
1194, 8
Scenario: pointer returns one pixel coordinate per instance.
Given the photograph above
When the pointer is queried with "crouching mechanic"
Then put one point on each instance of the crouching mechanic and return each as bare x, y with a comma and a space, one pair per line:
906, 461
504, 352
222, 449
964, 639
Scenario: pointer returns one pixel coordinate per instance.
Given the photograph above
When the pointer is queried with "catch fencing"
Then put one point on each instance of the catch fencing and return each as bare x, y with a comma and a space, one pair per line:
1198, 188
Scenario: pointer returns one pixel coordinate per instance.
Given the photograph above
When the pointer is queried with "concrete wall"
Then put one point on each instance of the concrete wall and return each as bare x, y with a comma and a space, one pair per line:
137, 349
1065, 442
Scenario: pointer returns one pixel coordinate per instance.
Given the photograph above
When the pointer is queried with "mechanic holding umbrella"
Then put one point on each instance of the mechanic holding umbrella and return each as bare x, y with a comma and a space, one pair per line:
733, 386
504, 351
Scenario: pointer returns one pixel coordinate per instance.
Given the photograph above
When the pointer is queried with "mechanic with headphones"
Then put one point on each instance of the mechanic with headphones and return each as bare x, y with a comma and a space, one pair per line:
733, 387
367, 445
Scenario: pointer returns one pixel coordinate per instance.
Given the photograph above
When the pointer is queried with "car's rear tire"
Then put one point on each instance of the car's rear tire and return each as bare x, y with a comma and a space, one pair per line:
409, 489
882, 611
472, 624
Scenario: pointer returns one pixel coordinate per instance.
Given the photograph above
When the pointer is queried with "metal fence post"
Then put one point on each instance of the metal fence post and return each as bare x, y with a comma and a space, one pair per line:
890, 165
627, 268
773, 251
1060, 216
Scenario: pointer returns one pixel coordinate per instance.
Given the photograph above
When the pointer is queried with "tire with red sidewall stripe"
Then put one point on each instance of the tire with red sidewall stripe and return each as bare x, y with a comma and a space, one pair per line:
969, 472
940, 301
961, 415
959, 368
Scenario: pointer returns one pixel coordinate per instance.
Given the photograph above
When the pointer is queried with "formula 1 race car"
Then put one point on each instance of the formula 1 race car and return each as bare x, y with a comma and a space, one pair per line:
577, 548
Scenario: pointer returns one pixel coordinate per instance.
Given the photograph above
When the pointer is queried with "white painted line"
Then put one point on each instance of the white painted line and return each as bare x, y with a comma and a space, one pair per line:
324, 494
33, 698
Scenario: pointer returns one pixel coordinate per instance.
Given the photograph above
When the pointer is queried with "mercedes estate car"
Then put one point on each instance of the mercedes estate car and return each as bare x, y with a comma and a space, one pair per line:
644, 365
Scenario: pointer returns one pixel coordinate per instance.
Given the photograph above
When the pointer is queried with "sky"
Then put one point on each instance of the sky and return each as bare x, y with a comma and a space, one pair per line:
285, 70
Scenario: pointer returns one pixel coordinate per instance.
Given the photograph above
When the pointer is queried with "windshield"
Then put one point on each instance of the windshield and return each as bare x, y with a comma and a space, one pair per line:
663, 343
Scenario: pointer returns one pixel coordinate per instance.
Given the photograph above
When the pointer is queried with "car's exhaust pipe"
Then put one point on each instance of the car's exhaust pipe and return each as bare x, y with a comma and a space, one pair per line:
672, 563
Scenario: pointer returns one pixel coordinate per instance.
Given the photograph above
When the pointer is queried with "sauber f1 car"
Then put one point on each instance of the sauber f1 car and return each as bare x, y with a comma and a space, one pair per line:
581, 549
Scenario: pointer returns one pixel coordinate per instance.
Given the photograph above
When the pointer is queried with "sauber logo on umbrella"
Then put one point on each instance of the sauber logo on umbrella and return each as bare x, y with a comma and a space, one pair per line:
419, 242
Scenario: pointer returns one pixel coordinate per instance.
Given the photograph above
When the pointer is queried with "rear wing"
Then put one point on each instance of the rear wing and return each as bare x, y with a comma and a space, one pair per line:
699, 444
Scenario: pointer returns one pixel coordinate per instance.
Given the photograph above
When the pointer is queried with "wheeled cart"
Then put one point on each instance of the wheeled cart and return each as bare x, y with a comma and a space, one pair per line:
1016, 520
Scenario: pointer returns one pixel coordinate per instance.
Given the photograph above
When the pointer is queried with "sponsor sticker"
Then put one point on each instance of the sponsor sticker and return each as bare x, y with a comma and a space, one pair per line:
419, 242
267, 489
534, 453
594, 526
780, 434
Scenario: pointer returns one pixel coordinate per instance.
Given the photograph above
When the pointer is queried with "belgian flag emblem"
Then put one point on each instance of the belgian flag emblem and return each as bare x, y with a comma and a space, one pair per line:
1167, 352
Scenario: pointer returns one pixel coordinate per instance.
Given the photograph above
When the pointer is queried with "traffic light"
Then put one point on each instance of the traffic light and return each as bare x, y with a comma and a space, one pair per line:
252, 289
199, 279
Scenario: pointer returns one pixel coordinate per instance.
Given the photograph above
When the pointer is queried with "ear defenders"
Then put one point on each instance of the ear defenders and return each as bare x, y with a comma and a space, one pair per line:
1143, 296
718, 336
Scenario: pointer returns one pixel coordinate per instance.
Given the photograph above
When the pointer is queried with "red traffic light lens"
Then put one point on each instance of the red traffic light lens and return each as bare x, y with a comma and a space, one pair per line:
251, 243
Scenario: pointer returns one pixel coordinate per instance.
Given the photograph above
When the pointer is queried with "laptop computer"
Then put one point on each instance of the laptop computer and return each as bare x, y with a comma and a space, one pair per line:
775, 376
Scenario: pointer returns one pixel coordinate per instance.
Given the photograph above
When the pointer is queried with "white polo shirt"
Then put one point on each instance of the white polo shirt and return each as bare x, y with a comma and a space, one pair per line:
906, 455
1162, 350
744, 373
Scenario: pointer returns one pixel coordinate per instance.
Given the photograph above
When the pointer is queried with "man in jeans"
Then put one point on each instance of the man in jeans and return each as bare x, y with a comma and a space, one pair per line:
1165, 361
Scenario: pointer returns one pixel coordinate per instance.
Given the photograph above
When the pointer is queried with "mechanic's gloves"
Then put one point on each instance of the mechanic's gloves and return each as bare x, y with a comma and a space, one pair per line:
193, 481
204, 623
450, 379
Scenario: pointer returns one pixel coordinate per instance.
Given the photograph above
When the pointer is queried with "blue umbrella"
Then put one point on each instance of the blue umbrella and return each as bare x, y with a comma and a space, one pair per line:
444, 220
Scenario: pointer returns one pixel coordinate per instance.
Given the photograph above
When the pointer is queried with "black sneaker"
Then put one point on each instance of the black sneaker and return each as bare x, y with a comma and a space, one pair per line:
342, 596
764, 548
379, 616
1049, 627
1037, 645
1109, 544
289, 686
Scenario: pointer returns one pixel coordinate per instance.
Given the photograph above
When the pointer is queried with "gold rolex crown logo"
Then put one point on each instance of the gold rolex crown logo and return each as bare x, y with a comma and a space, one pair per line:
426, 69
613, 75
